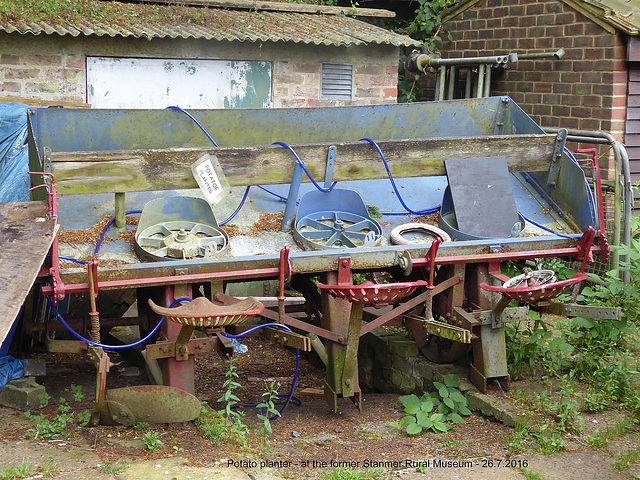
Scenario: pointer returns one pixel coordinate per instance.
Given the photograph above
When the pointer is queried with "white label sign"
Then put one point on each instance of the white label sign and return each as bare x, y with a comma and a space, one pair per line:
210, 178
207, 174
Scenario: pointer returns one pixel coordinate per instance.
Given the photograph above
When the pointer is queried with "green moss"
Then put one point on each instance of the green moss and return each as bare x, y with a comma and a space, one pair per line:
114, 13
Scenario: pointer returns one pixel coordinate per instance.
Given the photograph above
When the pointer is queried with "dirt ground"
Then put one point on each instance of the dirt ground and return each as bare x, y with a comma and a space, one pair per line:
308, 441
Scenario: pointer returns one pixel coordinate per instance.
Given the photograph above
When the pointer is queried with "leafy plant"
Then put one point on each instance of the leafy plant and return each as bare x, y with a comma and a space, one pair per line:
234, 418
427, 23
434, 411
268, 410
212, 424
540, 437
152, 442
373, 211
229, 398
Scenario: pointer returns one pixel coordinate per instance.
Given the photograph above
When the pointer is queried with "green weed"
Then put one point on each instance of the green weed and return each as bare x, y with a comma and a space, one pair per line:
268, 411
152, 442
57, 427
346, 473
435, 411
113, 469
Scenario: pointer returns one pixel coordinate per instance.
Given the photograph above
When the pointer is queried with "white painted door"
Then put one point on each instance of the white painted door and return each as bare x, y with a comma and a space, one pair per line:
159, 83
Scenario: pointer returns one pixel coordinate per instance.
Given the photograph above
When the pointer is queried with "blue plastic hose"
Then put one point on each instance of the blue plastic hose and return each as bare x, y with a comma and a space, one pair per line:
111, 347
106, 227
395, 189
301, 163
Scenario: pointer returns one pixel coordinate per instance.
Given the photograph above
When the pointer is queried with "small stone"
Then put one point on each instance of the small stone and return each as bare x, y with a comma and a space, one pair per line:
295, 434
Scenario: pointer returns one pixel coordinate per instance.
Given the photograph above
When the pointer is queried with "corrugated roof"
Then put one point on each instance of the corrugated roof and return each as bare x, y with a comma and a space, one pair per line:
623, 15
212, 24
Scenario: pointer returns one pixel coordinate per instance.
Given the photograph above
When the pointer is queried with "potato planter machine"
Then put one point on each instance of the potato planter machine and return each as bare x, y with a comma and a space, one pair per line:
505, 191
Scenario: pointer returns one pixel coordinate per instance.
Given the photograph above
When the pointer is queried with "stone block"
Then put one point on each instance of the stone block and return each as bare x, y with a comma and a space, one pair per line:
491, 407
403, 347
400, 382
22, 394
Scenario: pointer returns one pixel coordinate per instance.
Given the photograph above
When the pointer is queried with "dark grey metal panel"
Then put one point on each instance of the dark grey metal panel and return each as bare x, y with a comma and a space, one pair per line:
482, 196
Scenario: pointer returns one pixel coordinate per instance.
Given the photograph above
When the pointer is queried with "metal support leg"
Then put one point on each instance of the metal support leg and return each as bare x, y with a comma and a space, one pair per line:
292, 198
179, 373
344, 318
489, 350
452, 82
120, 213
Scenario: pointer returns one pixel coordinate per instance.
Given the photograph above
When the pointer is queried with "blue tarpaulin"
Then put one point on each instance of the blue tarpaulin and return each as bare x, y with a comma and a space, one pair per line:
14, 155
10, 369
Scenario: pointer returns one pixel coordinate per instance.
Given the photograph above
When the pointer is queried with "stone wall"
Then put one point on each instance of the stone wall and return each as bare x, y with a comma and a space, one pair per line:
53, 68
392, 363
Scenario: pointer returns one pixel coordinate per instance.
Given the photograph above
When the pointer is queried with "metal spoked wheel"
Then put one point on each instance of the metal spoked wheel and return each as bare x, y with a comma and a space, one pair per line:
181, 240
335, 229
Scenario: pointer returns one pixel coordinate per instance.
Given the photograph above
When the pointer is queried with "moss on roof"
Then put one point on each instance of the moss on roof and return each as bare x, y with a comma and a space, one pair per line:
115, 13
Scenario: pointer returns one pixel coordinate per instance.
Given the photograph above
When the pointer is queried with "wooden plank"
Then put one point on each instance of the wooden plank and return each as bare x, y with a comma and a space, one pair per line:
25, 238
280, 7
634, 50
633, 113
633, 101
632, 127
149, 170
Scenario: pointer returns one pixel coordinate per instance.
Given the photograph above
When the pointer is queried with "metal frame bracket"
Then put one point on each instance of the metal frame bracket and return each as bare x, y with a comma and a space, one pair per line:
558, 149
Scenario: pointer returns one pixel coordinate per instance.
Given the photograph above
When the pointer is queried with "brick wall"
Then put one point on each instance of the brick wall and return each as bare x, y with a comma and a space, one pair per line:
585, 90
52, 68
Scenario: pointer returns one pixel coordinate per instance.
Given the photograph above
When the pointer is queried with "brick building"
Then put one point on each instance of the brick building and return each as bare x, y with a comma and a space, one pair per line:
130, 55
593, 87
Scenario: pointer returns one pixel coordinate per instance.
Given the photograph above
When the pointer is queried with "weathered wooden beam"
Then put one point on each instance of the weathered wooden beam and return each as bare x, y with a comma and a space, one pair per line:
168, 169
280, 7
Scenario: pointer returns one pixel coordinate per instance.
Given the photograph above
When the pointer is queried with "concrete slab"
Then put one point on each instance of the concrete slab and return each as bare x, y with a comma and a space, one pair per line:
63, 460
176, 467
576, 465
475, 469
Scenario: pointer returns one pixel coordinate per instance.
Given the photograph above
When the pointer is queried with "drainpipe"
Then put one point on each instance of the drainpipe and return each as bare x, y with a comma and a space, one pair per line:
558, 54
622, 188
421, 61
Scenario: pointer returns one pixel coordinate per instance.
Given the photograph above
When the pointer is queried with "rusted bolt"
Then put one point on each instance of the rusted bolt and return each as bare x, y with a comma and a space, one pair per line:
447, 315
347, 382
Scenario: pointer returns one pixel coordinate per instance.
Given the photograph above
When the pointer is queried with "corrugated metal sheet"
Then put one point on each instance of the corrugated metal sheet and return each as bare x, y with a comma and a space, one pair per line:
231, 25
622, 15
